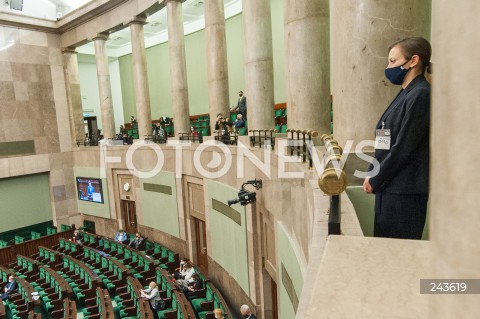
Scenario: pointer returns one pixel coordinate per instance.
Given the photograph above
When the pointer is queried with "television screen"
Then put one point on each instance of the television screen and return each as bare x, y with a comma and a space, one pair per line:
90, 189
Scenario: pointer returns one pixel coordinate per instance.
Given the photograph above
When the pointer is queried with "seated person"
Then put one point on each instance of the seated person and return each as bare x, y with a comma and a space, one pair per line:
246, 312
218, 313
239, 122
194, 131
137, 241
195, 285
9, 288
152, 294
127, 140
121, 237
186, 279
180, 271
77, 238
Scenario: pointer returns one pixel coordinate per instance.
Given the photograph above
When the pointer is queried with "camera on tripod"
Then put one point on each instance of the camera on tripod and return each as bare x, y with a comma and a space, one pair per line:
246, 197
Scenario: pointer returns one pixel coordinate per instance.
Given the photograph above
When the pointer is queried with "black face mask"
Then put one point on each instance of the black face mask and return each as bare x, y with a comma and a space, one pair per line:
246, 316
397, 73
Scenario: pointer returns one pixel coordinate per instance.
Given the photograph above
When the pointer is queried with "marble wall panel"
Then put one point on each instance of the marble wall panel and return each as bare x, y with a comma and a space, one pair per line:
21, 91
30, 72
6, 73
7, 92
23, 53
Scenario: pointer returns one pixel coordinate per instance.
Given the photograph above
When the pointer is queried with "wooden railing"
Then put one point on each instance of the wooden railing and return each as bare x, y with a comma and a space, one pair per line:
70, 309
9, 254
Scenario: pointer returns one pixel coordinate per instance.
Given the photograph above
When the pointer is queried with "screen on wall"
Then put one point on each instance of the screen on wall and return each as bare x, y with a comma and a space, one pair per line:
90, 189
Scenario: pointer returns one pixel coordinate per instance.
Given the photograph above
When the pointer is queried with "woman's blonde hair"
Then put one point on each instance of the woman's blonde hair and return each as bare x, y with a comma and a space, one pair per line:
218, 312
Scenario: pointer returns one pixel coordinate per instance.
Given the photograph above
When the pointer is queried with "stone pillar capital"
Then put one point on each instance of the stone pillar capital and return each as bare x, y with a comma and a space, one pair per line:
69, 50
135, 20
101, 36
164, 2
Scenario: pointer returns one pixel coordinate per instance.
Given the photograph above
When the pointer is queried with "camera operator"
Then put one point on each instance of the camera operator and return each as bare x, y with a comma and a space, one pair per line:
225, 127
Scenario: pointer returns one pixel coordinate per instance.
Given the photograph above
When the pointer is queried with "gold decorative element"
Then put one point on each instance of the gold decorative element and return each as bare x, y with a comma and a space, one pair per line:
333, 181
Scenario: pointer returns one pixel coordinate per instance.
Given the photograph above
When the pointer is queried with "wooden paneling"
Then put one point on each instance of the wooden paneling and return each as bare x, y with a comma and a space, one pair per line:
30, 247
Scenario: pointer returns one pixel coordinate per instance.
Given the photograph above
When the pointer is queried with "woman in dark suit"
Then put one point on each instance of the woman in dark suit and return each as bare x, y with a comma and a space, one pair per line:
398, 176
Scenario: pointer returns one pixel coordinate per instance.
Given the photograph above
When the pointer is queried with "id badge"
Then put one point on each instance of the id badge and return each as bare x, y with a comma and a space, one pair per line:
382, 139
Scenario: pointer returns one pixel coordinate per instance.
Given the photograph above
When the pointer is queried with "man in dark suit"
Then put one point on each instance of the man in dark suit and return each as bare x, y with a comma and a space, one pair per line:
9, 288
241, 105
137, 242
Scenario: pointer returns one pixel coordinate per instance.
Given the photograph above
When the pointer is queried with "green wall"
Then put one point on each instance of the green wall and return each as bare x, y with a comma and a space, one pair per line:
25, 201
196, 61
228, 239
89, 208
236, 74
196, 56
364, 205
126, 82
160, 210
286, 256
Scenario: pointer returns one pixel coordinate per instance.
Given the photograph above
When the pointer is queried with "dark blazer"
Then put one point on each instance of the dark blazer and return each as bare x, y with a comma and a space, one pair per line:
224, 126
404, 168
11, 286
136, 243
242, 104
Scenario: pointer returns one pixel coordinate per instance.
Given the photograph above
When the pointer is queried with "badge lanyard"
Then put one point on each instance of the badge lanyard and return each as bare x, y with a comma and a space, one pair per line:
383, 137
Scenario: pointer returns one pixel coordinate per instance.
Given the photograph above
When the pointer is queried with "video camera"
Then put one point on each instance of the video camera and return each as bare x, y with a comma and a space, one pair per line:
246, 197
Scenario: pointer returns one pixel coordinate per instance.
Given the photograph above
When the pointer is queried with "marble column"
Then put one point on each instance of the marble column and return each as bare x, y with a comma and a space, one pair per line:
140, 78
178, 68
74, 97
307, 64
217, 68
258, 52
361, 32
454, 156
104, 88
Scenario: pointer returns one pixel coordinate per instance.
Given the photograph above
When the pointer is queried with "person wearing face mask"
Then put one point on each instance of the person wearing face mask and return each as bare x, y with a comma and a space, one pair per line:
10, 287
246, 312
398, 175
180, 271
137, 242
